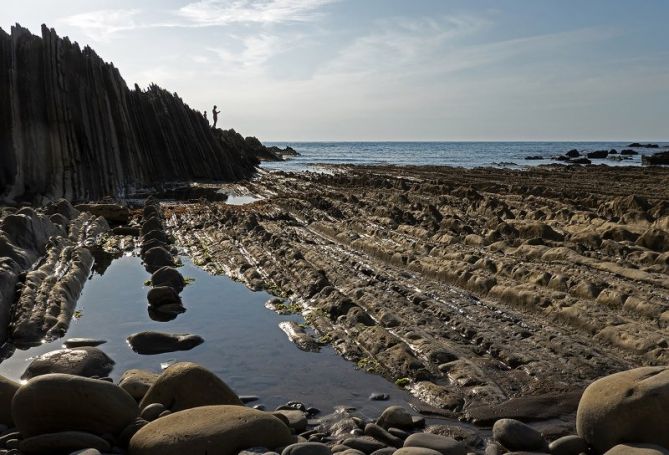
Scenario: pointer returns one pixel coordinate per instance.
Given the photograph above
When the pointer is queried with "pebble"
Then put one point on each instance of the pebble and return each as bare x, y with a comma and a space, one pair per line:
364, 444
443, 444
416, 451
63, 441
517, 436
297, 420
395, 416
397, 432
568, 445
352, 452
152, 411
292, 405
306, 448
385, 451
378, 433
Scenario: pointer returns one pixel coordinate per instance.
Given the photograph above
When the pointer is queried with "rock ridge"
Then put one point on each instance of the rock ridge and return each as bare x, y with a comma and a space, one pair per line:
72, 128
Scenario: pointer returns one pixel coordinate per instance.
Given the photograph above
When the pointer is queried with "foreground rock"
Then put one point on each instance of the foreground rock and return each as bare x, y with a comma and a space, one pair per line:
637, 449
159, 342
168, 276
160, 296
186, 385
65, 441
8, 389
214, 430
84, 361
656, 159
58, 402
442, 444
516, 436
631, 406
137, 382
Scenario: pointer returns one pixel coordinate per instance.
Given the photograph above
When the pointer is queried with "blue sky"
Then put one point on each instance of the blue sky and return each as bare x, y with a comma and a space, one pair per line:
390, 69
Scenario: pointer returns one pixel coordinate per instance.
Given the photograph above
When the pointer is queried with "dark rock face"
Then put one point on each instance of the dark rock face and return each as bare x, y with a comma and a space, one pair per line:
269, 153
655, 159
643, 146
598, 154
71, 127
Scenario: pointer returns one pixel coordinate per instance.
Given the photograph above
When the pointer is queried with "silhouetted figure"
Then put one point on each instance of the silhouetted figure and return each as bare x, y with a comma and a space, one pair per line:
205, 116
215, 115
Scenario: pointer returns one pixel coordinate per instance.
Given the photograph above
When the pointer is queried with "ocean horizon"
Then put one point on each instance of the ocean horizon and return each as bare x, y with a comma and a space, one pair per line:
467, 154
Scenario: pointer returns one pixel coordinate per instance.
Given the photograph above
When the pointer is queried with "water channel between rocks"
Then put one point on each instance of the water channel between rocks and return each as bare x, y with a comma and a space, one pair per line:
243, 342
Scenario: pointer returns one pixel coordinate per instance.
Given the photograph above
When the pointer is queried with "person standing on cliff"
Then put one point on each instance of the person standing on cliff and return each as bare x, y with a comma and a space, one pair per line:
215, 115
205, 116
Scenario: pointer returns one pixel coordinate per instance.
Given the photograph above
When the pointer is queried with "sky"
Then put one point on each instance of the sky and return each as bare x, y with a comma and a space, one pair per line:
371, 70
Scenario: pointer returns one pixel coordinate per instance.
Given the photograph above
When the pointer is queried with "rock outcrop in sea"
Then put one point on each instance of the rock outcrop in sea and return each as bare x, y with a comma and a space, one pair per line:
71, 127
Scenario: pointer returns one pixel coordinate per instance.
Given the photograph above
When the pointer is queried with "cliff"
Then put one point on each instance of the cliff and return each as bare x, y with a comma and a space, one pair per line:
70, 127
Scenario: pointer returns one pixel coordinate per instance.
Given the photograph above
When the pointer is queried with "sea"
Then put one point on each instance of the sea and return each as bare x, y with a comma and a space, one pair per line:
314, 155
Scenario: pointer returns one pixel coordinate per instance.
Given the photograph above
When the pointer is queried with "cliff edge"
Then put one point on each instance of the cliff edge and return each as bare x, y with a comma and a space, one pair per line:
70, 127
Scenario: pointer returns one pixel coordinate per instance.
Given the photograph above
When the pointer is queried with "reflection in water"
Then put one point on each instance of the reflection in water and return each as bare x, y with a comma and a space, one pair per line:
241, 200
103, 259
243, 342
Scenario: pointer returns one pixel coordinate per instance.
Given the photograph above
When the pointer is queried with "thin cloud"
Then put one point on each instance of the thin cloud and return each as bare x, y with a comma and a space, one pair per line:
256, 50
102, 24
222, 12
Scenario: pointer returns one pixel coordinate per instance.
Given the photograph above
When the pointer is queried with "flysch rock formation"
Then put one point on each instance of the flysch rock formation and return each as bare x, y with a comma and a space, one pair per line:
70, 127
45, 259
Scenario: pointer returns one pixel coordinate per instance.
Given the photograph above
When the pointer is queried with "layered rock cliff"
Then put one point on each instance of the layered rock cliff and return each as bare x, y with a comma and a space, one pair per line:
70, 127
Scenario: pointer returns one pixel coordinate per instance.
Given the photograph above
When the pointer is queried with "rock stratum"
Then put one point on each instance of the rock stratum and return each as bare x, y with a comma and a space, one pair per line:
70, 127
486, 292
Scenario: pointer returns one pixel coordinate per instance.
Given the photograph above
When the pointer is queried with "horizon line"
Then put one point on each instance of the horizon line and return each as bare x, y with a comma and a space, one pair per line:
433, 141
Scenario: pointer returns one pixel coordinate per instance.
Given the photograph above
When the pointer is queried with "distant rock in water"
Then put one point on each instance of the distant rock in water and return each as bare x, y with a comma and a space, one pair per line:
655, 159
643, 146
72, 128
273, 153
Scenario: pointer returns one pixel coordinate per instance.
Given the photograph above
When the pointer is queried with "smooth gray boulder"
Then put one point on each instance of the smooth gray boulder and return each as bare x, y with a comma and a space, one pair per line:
604, 417
517, 436
85, 361
61, 402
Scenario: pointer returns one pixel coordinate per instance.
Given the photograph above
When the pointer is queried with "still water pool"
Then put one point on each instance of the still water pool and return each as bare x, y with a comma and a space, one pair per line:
243, 342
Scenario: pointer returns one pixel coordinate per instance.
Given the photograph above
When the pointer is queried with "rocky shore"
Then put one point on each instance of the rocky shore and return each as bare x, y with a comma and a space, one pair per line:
72, 128
188, 410
497, 297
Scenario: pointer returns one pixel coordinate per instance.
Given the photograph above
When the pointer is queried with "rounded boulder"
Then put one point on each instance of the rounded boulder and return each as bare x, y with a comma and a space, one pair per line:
168, 276
443, 444
603, 416
84, 361
8, 389
60, 402
186, 385
215, 430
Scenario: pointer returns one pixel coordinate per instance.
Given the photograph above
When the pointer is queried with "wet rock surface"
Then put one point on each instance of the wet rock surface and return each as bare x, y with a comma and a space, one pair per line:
160, 342
489, 290
83, 361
